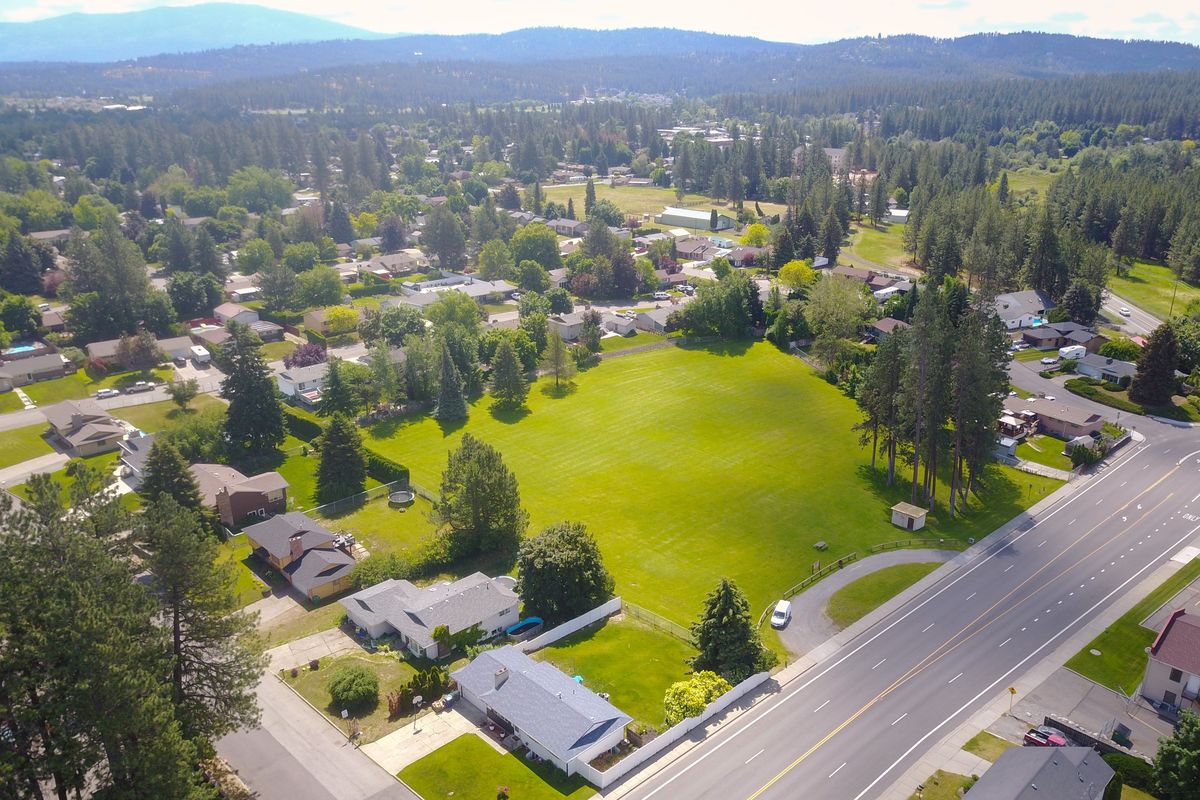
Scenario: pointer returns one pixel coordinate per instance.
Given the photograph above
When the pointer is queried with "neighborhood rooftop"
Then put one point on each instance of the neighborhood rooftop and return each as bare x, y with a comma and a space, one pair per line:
1179, 642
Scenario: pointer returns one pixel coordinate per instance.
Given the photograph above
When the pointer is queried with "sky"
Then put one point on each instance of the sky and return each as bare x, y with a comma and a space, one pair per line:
808, 21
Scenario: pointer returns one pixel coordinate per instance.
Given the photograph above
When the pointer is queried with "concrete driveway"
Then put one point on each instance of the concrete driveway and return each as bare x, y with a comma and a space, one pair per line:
427, 733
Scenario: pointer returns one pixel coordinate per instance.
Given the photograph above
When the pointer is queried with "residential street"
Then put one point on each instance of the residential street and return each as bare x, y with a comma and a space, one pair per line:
1138, 323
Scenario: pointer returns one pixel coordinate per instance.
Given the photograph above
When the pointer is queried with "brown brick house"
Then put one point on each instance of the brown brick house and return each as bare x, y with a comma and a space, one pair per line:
235, 496
304, 552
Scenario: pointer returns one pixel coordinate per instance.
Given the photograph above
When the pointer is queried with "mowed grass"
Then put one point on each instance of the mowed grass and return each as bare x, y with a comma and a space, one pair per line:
690, 464
275, 351
470, 769
1122, 646
103, 462
80, 384
612, 344
249, 589
858, 598
154, 417
383, 529
1044, 450
638, 200
943, 786
631, 661
1029, 181
987, 746
9, 402
1150, 286
22, 444
373, 719
883, 246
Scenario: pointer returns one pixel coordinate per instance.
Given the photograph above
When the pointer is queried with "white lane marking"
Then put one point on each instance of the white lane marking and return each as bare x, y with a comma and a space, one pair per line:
1022, 630
833, 665
1010, 566
836, 771
1194, 499
1025, 660
880, 662
956, 677
1179, 463
756, 755
1072, 522
972, 594
1043, 542
1123, 483
1006, 641
1146, 467
927, 627
1101, 500
818, 708
902, 716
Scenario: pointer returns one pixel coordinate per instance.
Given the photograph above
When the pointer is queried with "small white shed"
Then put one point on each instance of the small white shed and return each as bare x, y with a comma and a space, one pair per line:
908, 516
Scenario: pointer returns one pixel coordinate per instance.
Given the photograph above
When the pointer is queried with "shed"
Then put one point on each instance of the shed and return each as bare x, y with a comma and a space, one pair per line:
908, 516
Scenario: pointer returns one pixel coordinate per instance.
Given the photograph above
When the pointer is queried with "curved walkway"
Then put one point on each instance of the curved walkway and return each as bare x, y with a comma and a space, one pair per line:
810, 627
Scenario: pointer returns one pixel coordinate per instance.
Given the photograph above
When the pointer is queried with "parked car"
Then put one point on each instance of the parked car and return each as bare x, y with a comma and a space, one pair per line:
1050, 360
1050, 397
1044, 736
43, 306
1125, 312
140, 386
781, 615
106, 393
661, 296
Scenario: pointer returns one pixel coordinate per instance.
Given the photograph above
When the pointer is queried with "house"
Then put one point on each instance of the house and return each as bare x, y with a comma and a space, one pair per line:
1040, 773
51, 237
1053, 335
837, 158
881, 329
558, 278
347, 273
696, 248
306, 554
1106, 369
208, 336
1012, 427
898, 216
746, 256
1173, 669
853, 273
483, 291
54, 321
83, 427
654, 321
303, 383
234, 312
693, 218
622, 326
567, 326
243, 293
1064, 421
235, 496
134, 452
31, 370
413, 613
105, 350
317, 319
908, 516
418, 300
567, 227
557, 718
1023, 309
267, 331
367, 243
176, 347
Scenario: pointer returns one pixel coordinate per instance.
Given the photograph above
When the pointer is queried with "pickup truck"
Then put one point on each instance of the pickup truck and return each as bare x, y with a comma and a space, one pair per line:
140, 386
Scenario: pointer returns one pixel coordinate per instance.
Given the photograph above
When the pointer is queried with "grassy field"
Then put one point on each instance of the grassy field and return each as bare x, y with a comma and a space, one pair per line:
470, 769
692, 463
1150, 286
631, 661
638, 200
103, 462
1122, 645
884, 246
611, 344
1044, 450
383, 529
1029, 181
857, 599
154, 417
10, 402
275, 351
81, 384
373, 721
987, 746
249, 589
1130, 793
22, 444
944, 786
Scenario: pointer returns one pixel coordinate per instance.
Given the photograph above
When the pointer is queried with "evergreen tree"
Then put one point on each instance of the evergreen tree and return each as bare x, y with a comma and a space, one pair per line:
215, 654
508, 383
1155, 384
1045, 267
167, 475
557, 360
1081, 301
205, 258
712, 220
451, 404
562, 573
589, 198
445, 236
20, 270
383, 373
342, 471
480, 504
879, 400
254, 420
336, 395
831, 236
338, 224
1002, 189
726, 637
571, 207
279, 285
178, 252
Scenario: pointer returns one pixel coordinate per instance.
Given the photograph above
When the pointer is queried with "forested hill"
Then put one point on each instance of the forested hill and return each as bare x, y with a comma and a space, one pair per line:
558, 63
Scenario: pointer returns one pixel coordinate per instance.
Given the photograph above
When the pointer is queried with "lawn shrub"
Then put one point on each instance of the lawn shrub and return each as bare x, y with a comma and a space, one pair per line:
368, 290
382, 468
301, 427
317, 337
1132, 770
354, 686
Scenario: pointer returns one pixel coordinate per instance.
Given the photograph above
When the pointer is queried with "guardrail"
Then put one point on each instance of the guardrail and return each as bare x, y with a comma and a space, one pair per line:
828, 569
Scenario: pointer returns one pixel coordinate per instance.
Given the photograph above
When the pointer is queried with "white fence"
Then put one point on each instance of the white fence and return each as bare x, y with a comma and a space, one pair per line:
669, 737
567, 628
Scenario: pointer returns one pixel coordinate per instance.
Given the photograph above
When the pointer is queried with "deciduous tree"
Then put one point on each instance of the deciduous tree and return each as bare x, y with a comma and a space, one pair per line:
562, 572
689, 698
480, 504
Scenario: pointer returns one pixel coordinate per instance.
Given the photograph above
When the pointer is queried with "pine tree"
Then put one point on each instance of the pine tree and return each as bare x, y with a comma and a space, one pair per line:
383, 372
20, 269
589, 198
167, 475
508, 383
205, 258
451, 404
557, 361
879, 400
336, 396
215, 655
1155, 384
1002, 189
1045, 267
726, 637
338, 225
831, 236
571, 207
712, 220
342, 470
179, 247
254, 420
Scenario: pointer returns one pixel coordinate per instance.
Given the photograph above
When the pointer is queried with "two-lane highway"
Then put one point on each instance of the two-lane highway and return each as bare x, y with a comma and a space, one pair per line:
850, 726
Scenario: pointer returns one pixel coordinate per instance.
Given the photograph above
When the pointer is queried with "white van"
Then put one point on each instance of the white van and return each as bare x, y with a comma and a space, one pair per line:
201, 354
782, 614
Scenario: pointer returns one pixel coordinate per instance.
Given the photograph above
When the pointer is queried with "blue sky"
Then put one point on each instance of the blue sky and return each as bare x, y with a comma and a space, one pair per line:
806, 20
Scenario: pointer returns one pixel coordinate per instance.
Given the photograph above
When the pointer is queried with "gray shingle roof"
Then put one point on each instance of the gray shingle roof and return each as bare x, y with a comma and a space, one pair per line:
274, 534
543, 703
63, 416
136, 449
1016, 304
318, 567
37, 365
1062, 773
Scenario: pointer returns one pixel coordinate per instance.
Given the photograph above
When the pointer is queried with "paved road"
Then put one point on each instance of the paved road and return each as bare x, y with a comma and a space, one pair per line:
1138, 323
851, 725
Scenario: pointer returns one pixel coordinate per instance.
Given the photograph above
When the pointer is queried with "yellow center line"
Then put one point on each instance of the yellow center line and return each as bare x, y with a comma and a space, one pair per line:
939, 652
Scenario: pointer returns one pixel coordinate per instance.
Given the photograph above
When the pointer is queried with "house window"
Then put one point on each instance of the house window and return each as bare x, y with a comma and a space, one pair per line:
1176, 676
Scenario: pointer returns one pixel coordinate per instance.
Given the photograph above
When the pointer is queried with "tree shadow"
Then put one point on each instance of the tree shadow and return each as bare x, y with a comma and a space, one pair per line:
449, 426
720, 347
388, 428
507, 414
562, 390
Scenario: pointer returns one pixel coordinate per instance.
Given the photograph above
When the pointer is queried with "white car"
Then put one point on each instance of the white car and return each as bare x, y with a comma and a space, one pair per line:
782, 614
1049, 360
1051, 397
104, 394
1124, 312
661, 296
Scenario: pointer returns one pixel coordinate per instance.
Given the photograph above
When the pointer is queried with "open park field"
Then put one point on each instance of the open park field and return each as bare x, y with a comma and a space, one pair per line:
1150, 286
1030, 182
693, 463
638, 200
883, 246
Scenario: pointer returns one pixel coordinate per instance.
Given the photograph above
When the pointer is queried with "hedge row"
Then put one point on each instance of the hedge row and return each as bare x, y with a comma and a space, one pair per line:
368, 289
383, 469
316, 337
300, 426
283, 318
1131, 770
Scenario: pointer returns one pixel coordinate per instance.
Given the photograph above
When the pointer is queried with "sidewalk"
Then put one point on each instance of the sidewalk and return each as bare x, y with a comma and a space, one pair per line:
326, 644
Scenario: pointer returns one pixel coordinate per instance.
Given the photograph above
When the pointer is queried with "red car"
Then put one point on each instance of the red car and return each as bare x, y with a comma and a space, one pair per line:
1045, 736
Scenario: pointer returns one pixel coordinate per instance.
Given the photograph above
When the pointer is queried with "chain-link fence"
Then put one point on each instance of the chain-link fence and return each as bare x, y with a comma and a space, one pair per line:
354, 501
655, 621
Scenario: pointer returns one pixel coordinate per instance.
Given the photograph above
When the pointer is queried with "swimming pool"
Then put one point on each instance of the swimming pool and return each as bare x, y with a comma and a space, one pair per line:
17, 349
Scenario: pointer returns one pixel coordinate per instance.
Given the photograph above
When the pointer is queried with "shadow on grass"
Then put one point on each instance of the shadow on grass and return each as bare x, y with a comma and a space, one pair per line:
559, 391
449, 426
731, 347
507, 414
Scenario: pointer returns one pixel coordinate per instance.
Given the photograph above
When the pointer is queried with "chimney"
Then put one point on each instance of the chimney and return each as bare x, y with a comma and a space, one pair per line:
500, 677
296, 546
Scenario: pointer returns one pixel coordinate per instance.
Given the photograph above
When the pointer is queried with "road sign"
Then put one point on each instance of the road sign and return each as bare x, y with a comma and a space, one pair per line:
1011, 690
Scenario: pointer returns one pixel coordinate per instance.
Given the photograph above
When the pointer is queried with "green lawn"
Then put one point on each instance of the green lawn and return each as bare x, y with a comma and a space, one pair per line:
22, 444
638, 200
884, 246
81, 384
154, 417
611, 344
1044, 450
987, 746
275, 351
236, 551
10, 402
1122, 646
383, 529
631, 661
857, 599
300, 471
1029, 181
312, 619
1150, 286
373, 721
943, 786
1130, 793
103, 462
470, 769
693, 463
1032, 354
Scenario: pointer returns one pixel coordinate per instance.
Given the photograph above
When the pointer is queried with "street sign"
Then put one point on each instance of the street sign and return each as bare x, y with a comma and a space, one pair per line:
1011, 690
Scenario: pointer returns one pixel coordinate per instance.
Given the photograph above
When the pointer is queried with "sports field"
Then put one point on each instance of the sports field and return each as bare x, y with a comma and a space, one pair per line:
650, 200
689, 464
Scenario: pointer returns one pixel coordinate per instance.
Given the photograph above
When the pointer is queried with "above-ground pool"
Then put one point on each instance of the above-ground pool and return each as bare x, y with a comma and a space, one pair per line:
525, 628
401, 499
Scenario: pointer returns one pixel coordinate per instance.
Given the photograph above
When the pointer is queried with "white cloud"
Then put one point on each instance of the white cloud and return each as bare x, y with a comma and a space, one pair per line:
785, 20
